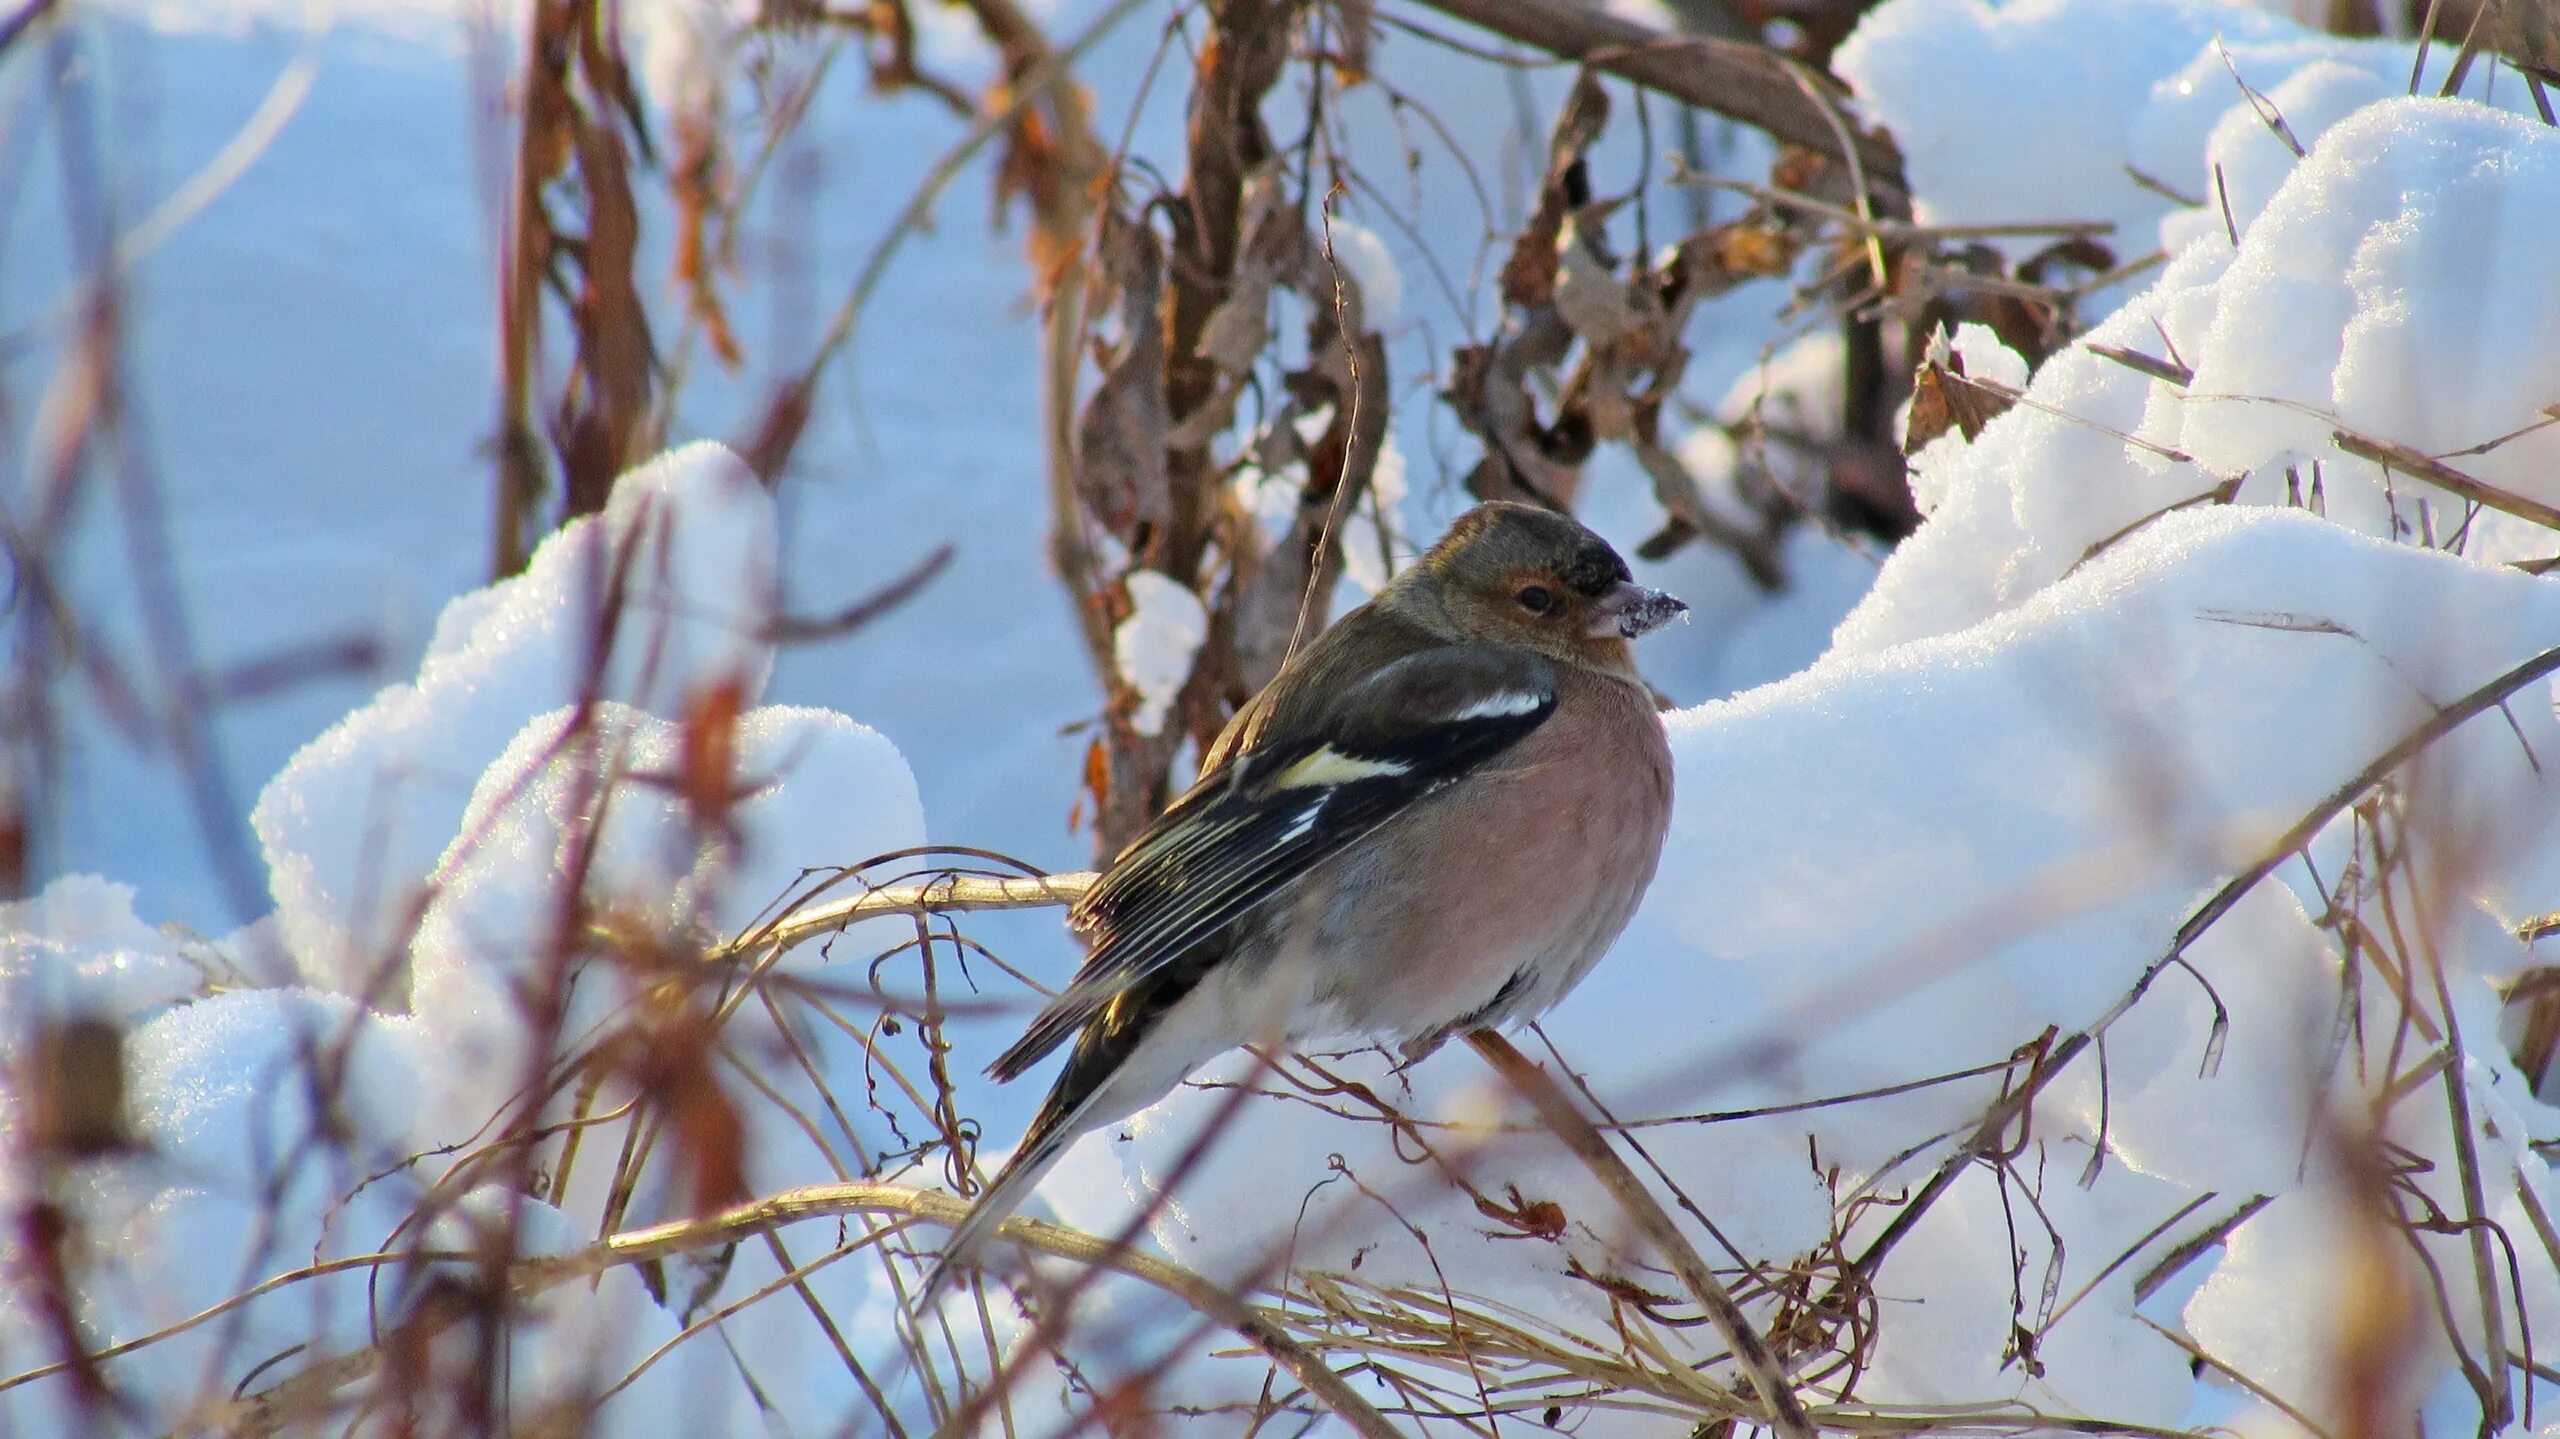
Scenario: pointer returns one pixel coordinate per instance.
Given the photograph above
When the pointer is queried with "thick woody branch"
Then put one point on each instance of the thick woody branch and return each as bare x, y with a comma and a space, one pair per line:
1750, 83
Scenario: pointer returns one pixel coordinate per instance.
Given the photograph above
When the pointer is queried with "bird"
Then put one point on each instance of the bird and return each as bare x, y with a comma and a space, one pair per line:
1437, 817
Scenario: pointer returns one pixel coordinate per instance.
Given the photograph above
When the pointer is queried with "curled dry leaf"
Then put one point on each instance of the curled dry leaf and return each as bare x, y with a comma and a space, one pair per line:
1236, 331
1590, 298
1528, 277
1943, 399
1120, 441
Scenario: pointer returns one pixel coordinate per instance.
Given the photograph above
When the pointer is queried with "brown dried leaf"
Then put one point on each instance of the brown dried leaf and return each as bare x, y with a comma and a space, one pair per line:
1589, 297
1942, 399
1524, 1217
1528, 276
1720, 257
72, 1087
1122, 435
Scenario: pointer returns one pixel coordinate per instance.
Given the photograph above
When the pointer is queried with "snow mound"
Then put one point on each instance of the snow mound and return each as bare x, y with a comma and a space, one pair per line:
618, 799
683, 557
2117, 111
2390, 290
1155, 645
813, 788
78, 948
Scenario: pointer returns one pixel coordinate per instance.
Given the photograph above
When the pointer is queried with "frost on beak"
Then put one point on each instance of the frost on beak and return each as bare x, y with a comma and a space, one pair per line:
1627, 610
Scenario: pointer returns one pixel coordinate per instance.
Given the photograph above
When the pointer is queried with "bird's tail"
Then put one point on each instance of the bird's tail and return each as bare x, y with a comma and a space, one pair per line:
1064, 1117
1113, 1072
1031, 1163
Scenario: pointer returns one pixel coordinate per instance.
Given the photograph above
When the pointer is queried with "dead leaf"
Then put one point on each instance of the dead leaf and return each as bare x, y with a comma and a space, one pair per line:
1942, 399
1528, 276
1235, 333
1593, 302
1121, 437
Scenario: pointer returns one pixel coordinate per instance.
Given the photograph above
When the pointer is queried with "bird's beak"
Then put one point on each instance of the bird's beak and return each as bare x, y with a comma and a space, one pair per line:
1627, 610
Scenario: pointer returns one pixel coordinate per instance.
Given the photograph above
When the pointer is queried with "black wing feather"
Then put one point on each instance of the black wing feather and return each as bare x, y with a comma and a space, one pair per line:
1246, 835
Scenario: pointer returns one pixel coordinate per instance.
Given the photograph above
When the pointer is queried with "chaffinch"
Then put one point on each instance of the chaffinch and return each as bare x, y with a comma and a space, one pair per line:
1437, 817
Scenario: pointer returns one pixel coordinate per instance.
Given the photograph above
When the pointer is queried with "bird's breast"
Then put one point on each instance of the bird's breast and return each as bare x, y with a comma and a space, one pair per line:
1488, 902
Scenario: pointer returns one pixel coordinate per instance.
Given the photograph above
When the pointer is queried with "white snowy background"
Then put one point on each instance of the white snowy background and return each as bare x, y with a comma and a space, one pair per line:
1932, 806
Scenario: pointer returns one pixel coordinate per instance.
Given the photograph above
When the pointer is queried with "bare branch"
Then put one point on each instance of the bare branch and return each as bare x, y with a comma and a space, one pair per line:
1750, 83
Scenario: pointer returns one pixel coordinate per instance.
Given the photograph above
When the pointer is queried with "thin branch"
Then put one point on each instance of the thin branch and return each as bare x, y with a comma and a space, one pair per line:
1786, 1413
947, 894
1996, 1123
2445, 477
310, 1391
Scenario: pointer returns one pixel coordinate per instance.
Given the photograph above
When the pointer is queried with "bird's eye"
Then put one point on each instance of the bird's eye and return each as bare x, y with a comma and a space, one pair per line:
1536, 599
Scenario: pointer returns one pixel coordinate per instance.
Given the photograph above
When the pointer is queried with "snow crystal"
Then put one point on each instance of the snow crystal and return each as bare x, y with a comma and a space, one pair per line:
2248, 158
1155, 645
2397, 285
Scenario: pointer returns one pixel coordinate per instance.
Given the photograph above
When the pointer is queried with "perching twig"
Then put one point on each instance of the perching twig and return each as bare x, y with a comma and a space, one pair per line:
947, 894
1569, 1124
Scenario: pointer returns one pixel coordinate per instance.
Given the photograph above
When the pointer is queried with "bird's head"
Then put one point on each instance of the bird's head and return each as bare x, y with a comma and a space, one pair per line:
1516, 574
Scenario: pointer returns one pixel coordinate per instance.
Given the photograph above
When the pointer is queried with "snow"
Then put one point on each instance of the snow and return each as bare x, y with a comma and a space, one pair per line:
2427, 322
2088, 110
429, 1043
1372, 266
1156, 644
77, 948
2382, 290
2043, 733
353, 824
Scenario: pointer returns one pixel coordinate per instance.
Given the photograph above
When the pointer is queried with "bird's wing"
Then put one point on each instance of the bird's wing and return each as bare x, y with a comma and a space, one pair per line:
1251, 830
